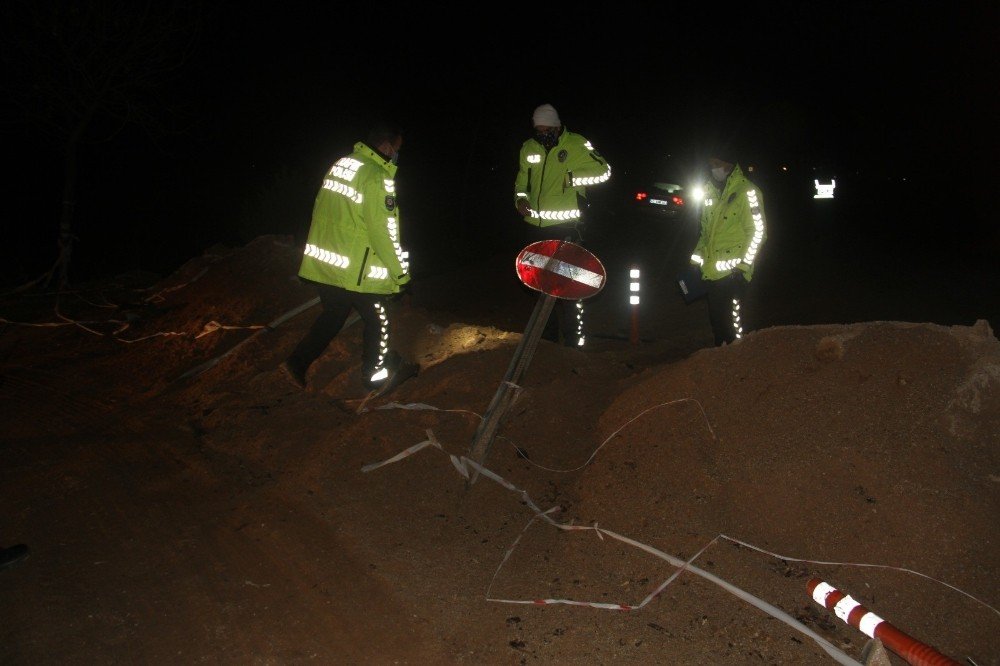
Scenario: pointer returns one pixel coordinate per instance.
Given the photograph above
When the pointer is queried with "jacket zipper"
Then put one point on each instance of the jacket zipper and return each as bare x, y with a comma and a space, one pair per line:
541, 185
364, 261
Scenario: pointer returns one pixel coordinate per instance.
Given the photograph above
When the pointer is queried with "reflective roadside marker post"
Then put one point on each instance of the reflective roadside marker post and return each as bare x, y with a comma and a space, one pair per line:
633, 301
873, 626
557, 269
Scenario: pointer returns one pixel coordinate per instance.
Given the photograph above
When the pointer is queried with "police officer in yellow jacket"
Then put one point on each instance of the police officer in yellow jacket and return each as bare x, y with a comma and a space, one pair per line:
733, 230
555, 168
354, 258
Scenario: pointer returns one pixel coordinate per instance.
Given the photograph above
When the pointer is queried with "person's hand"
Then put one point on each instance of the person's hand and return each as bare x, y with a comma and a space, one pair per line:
411, 292
403, 296
523, 207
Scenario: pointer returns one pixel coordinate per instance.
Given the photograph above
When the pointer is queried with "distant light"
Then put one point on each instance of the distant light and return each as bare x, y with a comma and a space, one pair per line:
698, 194
784, 168
824, 190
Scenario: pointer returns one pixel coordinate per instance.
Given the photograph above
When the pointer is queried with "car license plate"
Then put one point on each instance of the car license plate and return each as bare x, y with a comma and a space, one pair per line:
658, 202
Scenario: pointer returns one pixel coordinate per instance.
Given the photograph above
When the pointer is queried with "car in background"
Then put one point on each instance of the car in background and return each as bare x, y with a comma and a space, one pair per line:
660, 198
662, 187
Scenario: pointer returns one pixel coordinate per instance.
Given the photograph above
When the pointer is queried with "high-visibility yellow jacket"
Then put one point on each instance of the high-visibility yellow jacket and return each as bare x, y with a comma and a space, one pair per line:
353, 239
551, 180
733, 228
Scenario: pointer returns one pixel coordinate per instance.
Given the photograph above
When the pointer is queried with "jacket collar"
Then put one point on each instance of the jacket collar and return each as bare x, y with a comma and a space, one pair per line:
364, 149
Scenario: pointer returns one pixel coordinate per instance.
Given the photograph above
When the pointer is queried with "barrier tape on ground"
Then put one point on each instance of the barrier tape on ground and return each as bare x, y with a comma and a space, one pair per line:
638, 416
460, 467
158, 296
44, 324
197, 370
861, 564
463, 464
213, 326
210, 327
573, 602
424, 406
419, 406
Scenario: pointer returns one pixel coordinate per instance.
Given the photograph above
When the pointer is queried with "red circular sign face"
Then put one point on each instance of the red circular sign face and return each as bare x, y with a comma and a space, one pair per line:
561, 269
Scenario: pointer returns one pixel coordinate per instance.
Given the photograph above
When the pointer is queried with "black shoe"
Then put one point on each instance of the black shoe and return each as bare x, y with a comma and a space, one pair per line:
390, 362
400, 374
12, 555
293, 374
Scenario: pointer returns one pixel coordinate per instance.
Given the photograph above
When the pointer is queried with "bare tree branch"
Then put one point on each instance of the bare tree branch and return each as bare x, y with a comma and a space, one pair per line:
81, 72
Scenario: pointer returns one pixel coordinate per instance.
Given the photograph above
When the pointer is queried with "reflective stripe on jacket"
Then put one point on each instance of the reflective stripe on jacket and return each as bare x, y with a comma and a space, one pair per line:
354, 237
733, 228
551, 180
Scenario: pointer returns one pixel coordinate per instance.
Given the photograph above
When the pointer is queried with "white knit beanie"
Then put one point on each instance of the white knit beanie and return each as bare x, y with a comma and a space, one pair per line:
546, 116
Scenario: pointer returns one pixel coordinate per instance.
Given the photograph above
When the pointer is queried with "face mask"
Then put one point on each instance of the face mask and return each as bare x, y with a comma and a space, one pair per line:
719, 174
547, 139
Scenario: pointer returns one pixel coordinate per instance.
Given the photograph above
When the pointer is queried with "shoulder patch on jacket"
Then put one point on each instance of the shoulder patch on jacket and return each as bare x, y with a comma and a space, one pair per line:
390, 202
563, 155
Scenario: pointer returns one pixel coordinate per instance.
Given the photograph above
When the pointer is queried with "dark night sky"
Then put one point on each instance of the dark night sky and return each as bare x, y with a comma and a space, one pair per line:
849, 80
272, 94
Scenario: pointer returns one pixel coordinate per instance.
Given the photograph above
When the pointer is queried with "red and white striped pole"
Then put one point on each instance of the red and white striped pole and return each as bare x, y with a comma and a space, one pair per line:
633, 300
870, 624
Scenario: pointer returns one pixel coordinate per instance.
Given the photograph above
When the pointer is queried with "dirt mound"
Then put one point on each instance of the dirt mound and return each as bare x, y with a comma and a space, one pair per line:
184, 501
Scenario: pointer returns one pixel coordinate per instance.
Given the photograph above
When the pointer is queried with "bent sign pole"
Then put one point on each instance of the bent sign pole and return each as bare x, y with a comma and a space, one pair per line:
557, 269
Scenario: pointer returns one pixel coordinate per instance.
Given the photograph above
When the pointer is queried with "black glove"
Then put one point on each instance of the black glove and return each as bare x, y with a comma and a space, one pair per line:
405, 291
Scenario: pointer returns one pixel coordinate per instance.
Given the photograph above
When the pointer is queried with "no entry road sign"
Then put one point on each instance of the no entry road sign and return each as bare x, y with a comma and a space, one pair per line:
561, 269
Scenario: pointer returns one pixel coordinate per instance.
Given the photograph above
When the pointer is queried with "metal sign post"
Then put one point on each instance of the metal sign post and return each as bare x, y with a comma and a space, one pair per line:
557, 269
510, 387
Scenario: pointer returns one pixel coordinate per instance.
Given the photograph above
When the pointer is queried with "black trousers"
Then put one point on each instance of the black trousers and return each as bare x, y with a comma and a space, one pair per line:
337, 305
727, 299
566, 320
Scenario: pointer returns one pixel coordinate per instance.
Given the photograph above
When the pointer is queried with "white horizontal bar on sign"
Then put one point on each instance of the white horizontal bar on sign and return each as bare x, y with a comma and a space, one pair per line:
575, 273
